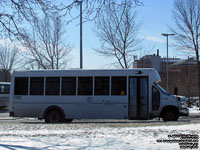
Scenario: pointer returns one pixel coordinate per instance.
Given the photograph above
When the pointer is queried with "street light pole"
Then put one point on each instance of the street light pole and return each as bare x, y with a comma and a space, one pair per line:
165, 34
81, 34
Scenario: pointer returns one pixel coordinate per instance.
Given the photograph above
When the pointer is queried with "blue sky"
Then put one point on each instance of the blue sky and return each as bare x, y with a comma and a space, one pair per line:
155, 14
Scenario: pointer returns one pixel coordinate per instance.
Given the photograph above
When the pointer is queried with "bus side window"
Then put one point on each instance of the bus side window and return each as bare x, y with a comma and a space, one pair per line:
155, 99
85, 85
21, 86
2, 89
118, 86
52, 85
36, 85
101, 86
69, 86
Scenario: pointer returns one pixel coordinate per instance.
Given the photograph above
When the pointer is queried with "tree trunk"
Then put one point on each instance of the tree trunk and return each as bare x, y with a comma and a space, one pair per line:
198, 67
198, 71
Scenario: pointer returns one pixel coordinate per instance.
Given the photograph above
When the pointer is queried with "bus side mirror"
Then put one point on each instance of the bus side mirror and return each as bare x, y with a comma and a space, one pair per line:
175, 90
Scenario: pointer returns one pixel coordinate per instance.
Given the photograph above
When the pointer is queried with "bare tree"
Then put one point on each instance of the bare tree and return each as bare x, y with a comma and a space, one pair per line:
92, 8
16, 16
46, 46
15, 13
8, 57
8, 60
117, 31
186, 15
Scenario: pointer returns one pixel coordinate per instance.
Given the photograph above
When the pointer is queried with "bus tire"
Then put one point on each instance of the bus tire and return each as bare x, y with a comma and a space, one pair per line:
170, 115
53, 116
68, 120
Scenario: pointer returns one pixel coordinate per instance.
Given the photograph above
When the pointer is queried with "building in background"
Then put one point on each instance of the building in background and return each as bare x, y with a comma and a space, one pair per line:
182, 73
5, 75
154, 61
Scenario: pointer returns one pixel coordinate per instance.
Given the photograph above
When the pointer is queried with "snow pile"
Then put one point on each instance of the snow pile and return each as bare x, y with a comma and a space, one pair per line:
95, 138
194, 109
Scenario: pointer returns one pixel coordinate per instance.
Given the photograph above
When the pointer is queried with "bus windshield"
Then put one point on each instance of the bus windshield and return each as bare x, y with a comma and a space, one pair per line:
161, 89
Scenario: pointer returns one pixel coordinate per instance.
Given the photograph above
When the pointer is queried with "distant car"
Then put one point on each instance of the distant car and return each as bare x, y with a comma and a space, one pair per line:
4, 94
184, 111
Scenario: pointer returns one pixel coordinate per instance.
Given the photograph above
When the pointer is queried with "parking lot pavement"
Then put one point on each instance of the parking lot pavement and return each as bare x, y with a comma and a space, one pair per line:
4, 116
4, 113
191, 119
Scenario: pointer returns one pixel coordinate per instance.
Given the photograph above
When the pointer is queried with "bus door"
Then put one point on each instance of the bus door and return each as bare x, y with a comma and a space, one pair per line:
138, 98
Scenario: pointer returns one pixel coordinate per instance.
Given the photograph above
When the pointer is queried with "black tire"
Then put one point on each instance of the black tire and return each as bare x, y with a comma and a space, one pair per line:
170, 115
53, 116
68, 120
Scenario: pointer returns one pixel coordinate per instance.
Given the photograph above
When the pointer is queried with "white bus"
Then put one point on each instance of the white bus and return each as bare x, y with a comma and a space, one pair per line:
64, 95
4, 94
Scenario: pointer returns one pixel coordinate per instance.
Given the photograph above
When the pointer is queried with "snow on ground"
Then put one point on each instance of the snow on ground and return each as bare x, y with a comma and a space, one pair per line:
32, 135
194, 109
109, 138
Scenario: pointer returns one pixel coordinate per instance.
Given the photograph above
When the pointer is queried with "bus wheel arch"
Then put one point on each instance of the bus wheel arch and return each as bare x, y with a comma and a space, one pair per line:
170, 113
54, 114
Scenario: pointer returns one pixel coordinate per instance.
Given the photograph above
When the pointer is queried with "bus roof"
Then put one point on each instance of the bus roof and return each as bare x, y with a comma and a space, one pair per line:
91, 72
77, 69
136, 70
4, 83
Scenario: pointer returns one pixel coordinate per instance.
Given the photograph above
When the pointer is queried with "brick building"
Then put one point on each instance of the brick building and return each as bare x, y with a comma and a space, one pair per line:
182, 74
154, 61
5, 75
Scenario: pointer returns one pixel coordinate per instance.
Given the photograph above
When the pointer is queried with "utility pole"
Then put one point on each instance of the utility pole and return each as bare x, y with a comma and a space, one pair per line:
166, 34
81, 34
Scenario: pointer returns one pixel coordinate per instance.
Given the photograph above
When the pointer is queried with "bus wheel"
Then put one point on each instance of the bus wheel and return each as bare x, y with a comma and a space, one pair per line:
170, 115
68, 120
53, 116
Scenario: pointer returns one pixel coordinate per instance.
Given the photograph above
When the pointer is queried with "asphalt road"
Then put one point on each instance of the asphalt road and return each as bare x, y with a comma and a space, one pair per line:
5, 120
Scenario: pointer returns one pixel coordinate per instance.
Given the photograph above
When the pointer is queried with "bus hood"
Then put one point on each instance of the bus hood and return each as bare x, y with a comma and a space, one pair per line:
181, 98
